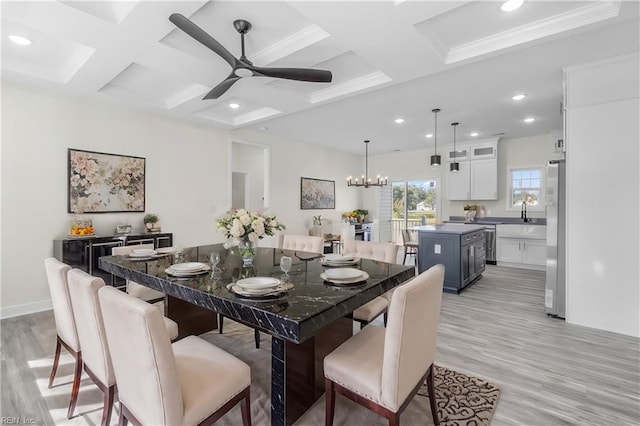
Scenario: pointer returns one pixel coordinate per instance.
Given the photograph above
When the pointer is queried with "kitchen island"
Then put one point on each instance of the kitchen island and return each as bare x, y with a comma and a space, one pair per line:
459, 247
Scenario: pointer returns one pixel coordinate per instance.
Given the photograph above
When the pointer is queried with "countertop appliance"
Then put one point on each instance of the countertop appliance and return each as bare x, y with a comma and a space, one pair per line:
554, 297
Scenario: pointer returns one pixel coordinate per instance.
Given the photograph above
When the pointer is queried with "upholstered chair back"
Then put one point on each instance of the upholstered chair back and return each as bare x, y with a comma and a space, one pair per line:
118, 251
382, 252
62, 311
143, 360
133, 288
303, 243
410, 339
83, 289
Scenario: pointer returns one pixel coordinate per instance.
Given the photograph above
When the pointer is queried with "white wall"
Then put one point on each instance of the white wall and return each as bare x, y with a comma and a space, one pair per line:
38, 128
292, 160
414, 165
187, 179
603, 284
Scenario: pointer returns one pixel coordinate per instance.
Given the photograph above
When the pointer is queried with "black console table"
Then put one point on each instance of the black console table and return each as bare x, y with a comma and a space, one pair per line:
83, 252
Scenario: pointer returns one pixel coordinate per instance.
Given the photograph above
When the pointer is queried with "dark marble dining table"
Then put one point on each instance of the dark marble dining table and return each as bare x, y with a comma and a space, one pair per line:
306, 323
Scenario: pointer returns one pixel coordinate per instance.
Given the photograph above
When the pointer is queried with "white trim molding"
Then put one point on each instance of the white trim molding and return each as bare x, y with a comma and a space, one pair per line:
27, 308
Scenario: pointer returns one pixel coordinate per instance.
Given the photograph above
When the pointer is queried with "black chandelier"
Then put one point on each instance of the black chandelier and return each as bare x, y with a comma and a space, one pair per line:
366, 181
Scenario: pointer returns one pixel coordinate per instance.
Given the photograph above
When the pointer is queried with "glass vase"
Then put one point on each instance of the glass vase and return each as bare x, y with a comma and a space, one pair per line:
247, 252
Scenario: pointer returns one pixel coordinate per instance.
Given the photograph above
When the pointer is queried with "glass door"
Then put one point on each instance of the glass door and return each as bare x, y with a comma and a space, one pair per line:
413, 203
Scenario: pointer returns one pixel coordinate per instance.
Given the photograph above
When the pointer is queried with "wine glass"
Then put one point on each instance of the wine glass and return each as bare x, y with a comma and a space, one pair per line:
285, 265
215, 259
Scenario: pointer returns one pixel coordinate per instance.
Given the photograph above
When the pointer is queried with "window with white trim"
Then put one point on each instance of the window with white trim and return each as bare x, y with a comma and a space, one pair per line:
525, 185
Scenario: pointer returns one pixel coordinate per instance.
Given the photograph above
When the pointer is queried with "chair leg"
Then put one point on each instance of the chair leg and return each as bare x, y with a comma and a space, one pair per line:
432, 396
405, 256
56, 360
245, 407
330, 402
220, 321
108, 405
256, 337
394, 419
385, 316
122, 420
76, 385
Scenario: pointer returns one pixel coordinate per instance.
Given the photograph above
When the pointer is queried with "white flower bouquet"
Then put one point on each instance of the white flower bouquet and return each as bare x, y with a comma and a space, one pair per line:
244, 226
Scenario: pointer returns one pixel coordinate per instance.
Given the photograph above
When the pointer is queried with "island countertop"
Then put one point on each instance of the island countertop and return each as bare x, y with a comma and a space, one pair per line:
450, 228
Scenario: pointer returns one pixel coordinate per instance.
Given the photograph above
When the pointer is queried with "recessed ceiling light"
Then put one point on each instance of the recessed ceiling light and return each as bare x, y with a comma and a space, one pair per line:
234, 105
428, 135
474, 134
519, 97
399, 120
20, 40
511, 5
529, 120
263, 128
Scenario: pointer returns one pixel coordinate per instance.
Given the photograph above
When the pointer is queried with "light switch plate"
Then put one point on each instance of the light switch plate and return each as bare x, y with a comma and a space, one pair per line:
436, 248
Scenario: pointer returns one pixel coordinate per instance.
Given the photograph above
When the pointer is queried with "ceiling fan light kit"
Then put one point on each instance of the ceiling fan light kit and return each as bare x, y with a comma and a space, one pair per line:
242, 67
366, 181
436, 160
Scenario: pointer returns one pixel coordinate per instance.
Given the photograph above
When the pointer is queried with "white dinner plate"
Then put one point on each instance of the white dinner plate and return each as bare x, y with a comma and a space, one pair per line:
143, 254
338, 258
258, 283
183, 274
343, 273
359, 279
144, 251
188, 266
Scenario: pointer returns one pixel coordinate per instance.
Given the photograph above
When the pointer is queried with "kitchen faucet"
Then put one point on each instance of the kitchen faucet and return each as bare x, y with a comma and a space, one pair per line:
523, 213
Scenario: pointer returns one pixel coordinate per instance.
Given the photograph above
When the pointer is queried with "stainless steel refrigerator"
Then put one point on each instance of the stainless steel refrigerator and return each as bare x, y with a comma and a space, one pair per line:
555, 300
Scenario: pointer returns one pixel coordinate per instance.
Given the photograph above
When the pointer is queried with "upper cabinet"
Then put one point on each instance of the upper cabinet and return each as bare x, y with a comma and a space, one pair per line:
478, 175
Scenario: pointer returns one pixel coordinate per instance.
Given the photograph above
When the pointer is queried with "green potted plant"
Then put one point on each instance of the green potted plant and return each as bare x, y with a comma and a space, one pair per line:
150, 220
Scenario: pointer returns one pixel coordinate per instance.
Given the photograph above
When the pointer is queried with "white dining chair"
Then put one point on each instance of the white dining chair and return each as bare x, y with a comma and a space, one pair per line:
66, 332
383, 368
133, 288
189, 382
305, 243
83, 289
382, 252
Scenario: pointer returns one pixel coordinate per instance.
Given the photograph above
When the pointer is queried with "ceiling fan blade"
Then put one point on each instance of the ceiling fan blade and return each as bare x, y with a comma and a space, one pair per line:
301, 74
200, 35
221, 88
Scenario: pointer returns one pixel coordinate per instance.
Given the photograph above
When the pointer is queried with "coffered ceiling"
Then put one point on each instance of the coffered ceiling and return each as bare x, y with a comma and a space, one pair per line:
388, 60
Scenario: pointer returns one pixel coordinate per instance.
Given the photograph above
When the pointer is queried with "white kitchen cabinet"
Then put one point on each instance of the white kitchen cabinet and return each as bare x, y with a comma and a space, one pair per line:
458, 182
534, 252
521, 246
484, 179
478, 175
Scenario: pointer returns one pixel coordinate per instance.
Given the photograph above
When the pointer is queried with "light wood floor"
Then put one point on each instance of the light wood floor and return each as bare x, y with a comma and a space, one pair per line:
549, 372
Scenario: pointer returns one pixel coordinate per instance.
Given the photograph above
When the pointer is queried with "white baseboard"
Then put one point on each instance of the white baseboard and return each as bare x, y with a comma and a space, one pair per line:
27, 308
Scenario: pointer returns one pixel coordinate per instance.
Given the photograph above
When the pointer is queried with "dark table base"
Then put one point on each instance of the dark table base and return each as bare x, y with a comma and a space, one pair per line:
300, 367
191, 319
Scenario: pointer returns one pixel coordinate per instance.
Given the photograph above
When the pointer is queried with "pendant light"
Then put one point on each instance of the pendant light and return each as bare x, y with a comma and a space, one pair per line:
455, 166
366, 181
435, 158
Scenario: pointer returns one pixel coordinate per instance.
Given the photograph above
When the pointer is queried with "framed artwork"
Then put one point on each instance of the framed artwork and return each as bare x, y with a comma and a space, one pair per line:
317, 194
104, 183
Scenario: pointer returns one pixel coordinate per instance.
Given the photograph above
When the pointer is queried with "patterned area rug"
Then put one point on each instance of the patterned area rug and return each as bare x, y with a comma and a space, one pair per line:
462, 399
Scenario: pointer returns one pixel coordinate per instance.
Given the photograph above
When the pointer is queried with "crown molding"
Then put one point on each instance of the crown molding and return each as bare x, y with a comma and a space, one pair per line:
355, 85
579, 17
289, 45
